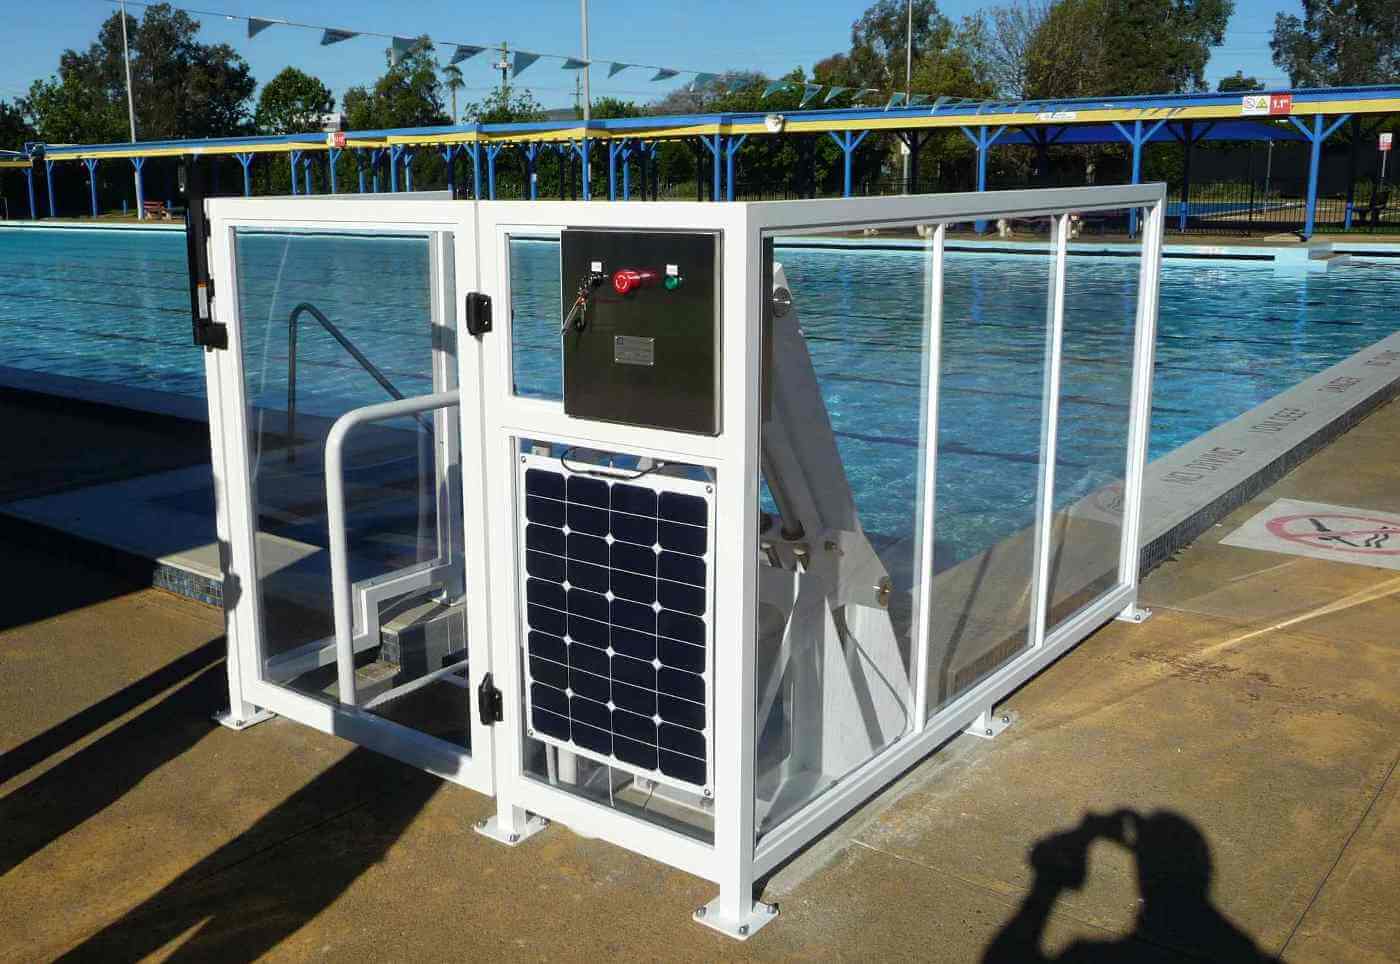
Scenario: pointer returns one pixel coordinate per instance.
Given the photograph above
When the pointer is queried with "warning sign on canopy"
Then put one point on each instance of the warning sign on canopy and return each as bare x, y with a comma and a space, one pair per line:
1320, 531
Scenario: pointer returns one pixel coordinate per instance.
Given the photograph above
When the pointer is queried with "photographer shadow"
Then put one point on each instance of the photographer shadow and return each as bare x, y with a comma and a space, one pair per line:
1175, 912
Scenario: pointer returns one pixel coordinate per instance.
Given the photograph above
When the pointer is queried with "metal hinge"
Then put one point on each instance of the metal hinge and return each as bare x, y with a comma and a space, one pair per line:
489, 702
478, 313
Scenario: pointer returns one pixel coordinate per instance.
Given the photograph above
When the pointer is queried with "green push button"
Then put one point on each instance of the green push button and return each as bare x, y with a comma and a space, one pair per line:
673, 281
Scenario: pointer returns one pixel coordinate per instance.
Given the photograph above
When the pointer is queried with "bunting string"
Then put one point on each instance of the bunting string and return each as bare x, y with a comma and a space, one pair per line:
522, 60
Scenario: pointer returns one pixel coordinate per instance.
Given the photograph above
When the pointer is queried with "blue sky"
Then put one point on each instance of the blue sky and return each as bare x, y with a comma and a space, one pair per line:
710, 35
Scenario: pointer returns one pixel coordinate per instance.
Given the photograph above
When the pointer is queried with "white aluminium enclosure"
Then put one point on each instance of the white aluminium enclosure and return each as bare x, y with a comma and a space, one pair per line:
686, 526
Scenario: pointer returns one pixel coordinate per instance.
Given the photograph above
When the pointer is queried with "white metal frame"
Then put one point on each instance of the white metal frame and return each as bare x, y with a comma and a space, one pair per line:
494, 420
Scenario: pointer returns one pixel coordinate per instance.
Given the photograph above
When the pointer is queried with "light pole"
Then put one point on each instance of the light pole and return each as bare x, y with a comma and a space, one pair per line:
908, 91
126, 57
583, 17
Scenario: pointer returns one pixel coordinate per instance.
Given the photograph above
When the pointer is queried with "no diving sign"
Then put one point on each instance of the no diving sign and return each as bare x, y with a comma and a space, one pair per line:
1319, 531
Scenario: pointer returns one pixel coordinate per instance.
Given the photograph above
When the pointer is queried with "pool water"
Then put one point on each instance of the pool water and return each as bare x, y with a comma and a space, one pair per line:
113, 308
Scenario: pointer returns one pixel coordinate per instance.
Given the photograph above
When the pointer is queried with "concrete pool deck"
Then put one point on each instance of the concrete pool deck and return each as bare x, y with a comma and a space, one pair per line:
1250, 725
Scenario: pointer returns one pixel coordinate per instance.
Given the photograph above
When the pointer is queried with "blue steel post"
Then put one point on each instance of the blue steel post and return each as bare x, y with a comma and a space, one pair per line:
375, 156
848, 144
625, 153
29, 184
983, 142
294, 159
360, 167
491, 151
1137, 139
91, 164
308, 183
585, 149
394, 151
1315, 137
730, 150
476, 170
613, 147
244, 158
48, 182
137, 163
332, 155
407, 156
532, 153
448, 153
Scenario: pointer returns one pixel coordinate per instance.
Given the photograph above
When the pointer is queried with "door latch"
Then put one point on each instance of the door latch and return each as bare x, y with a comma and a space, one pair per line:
478, 313
489, 702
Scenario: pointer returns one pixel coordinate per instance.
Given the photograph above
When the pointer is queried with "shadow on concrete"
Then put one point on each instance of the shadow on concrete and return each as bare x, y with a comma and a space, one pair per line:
42, 579
90, 780
328, 834
1175, 911
35, 750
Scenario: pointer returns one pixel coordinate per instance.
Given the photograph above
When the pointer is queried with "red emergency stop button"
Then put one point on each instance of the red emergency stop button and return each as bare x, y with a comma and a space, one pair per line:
627, 280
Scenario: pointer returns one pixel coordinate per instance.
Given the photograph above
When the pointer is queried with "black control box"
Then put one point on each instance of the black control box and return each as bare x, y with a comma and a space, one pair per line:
643, 346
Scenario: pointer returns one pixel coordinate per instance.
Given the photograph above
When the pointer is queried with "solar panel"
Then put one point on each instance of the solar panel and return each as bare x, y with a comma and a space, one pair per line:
617, 624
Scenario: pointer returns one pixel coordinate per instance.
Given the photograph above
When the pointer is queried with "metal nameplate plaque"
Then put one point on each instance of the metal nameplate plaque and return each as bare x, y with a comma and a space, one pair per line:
631, 350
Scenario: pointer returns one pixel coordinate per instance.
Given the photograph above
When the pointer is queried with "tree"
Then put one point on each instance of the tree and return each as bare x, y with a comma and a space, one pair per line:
181, 88
453, 83
1238, 82
293, 102
1000, 40
510, 105
14, 128
1099, 48
1339, 43
408, 95
606, 107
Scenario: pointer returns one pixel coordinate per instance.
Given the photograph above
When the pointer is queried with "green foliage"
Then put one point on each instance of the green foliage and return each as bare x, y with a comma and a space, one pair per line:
408, 95
1238, 82
181, 88
293, 102
612, 107
509, 106
452, 80
14, 128
1339, 43
1094, 48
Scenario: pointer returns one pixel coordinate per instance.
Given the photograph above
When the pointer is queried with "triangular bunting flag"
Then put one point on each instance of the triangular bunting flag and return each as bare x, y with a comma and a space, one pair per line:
701, 80
665, 73
573, 63
894, 101
399, 46
918, 99
520, 61
616, 68
465, 52
330, 36
833, 93
257, 25
808, 92
773, 88
938, 103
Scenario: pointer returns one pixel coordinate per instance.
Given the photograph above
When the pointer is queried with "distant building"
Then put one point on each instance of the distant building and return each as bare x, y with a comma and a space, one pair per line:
332, 122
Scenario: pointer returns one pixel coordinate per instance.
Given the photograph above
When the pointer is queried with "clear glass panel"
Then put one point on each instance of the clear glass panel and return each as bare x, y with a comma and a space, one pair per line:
843, 446
615, 633
318, 340
536, 314
994, 353
1096, 380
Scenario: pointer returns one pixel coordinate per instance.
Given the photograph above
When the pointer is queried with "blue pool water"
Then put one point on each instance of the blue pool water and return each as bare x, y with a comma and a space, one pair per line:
113, 308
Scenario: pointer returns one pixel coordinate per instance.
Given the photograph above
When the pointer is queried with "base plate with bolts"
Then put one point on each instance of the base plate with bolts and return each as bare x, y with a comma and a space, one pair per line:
988, 725
490, 827
1134, 614
759, 915
226, 718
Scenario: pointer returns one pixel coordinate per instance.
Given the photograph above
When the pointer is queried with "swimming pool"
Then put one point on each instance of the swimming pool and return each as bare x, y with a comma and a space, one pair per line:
113, 308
